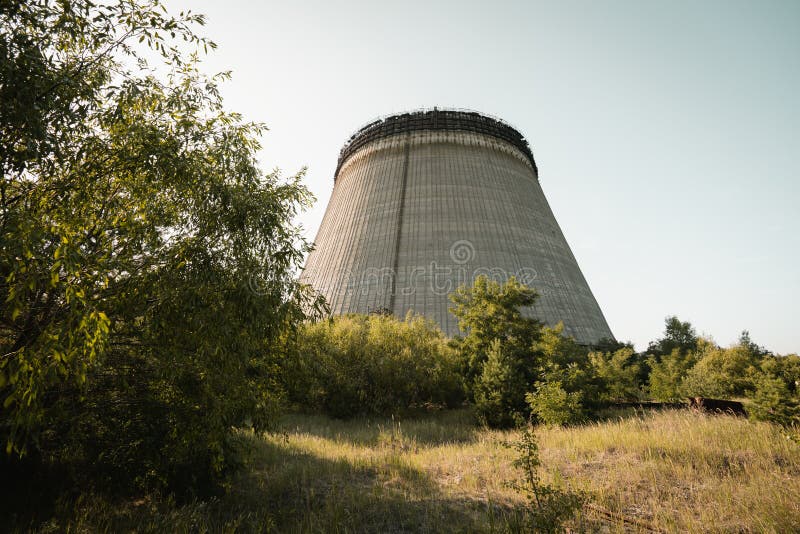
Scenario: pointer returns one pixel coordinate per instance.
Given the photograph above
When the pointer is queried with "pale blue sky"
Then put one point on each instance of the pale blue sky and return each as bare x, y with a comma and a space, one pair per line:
666, 133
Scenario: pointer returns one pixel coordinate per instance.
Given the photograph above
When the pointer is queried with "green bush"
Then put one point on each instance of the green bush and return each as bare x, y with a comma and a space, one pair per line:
667, 374
376, 364
565, 362
776, 397
618, 374
489, 312
722, 373
786, 368
499, 391
553, 405
499, 351
147, 267
774, 402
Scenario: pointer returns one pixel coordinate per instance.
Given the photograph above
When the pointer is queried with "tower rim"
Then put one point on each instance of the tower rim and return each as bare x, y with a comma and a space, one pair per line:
436, 119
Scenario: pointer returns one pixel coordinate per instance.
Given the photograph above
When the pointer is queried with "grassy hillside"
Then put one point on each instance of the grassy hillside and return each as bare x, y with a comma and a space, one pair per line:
675, 471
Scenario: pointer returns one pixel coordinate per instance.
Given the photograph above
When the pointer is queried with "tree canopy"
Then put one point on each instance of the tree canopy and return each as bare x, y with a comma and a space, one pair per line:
500, 360
147, 263
678, 334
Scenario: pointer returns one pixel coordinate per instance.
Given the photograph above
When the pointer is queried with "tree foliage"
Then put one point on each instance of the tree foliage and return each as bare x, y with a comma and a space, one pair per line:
776, 397
677, 335
553, 405
618, 373
499, 390
488, 311
774, 402
667, 375
722, 373
373, 365
501, 362
564, 368
146, 271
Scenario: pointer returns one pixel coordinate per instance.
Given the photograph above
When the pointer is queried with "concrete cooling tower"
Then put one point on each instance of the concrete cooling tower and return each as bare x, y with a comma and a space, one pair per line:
426, 201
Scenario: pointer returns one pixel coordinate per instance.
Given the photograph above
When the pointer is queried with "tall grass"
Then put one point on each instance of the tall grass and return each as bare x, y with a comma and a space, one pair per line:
676, 471
684, 471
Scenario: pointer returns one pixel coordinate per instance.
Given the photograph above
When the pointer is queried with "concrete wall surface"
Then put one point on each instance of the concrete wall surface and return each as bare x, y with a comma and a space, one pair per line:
416, 214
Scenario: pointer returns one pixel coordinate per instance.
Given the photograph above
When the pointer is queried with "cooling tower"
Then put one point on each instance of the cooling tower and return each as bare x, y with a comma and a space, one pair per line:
426, 201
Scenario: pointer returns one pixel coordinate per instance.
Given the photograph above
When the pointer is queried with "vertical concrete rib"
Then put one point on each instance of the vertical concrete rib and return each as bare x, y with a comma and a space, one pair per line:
399, 230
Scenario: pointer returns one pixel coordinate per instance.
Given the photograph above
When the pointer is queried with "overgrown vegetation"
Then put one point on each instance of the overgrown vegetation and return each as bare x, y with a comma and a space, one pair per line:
152, 331
500, 361
673, 471
548, 508
373, 365
147, 264
516, 367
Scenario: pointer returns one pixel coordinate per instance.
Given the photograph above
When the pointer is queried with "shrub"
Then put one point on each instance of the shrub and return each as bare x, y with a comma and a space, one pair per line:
776, 397
786, 368
553, 405
490, 312
147, 267
501, 359
774, 402
376, 364
618, 374
499, 391
722, 373
667, 374
548, 508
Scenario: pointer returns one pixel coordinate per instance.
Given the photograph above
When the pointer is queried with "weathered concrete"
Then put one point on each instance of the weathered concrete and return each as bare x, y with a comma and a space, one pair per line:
418, 210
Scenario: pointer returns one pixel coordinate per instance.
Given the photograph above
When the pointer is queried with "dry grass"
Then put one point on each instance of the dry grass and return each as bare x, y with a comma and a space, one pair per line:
677, 471
684, 471
435, 474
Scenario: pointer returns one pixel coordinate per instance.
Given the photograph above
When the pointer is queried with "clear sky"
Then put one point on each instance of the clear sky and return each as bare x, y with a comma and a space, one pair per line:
667, 134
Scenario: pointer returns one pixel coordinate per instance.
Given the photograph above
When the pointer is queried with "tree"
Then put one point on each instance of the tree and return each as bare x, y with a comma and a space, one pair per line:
668, 373
553, 405
776, 396
786, 368
147, 264
489, 311
774, 402
722, 373
564, 368
618, 372
498, 349
677, 335
746, 343
499, 390
610, 345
